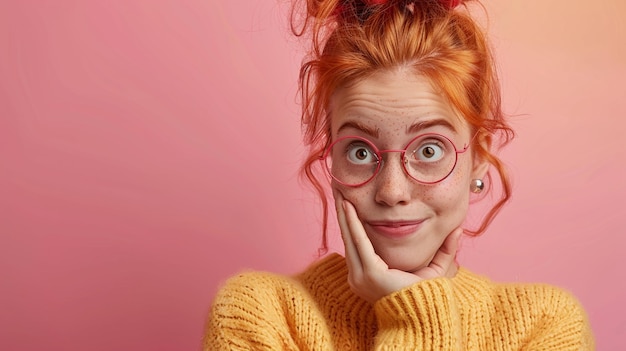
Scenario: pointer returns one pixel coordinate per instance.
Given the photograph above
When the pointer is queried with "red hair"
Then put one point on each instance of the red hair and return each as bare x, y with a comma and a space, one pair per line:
352, 39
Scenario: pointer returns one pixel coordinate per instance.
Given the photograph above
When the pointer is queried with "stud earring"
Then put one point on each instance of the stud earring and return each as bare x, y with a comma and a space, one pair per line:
477, 186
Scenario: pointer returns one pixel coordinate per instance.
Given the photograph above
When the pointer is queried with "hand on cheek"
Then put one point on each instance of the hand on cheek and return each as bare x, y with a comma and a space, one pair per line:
369, 276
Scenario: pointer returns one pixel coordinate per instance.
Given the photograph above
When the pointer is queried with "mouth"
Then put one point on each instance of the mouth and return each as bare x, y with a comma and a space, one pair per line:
395, 229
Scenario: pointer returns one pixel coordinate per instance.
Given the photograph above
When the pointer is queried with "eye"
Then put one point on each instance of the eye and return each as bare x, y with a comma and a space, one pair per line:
430, 151
360, 153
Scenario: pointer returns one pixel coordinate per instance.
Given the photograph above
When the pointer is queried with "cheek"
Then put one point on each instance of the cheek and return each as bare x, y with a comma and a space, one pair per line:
356, 196
453, 192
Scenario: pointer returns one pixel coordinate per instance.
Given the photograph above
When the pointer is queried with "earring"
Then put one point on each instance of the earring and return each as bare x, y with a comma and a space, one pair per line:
477, 186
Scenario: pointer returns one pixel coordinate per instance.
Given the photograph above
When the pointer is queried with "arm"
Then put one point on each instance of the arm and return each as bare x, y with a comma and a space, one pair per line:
424, 316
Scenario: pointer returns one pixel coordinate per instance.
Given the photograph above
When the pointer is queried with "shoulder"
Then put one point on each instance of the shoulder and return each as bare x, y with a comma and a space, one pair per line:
541, 295
252, 292
254, 281
538, 302
530, 316
259, 310
264, 290
248, 312
552, 316
543, 299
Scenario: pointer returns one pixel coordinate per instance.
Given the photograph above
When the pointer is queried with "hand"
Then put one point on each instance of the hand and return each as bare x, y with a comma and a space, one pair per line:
369, 275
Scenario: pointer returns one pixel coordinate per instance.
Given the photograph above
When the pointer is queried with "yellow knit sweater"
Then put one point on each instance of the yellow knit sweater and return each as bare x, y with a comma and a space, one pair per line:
316, 310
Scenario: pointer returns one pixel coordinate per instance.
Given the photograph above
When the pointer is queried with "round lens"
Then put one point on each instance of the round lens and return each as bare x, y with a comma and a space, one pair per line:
430, 158
352, 161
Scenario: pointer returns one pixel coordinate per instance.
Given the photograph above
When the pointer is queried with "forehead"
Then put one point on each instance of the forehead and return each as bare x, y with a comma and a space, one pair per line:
392, 102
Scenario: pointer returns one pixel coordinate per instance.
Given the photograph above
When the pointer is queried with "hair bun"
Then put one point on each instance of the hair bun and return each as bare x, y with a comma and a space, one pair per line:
340, 6
451, 3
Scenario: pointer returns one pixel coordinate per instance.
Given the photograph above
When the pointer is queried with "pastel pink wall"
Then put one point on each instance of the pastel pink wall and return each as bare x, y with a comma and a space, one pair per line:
149, 149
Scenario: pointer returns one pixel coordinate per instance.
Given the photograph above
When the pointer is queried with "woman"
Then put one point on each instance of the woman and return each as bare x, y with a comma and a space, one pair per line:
401, 109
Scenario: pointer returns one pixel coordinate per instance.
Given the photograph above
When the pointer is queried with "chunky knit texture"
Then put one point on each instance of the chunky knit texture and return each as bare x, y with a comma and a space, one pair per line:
316, 310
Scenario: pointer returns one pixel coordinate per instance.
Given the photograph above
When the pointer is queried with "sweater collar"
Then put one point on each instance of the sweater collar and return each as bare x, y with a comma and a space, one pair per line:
329, 277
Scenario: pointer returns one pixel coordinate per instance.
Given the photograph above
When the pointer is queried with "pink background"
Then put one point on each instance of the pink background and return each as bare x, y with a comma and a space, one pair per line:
149, 149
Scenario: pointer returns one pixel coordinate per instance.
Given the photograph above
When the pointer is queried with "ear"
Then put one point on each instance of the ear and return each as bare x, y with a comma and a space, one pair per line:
480, 163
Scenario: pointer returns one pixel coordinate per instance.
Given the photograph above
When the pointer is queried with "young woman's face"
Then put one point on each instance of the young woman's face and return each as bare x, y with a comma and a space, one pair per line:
406, 221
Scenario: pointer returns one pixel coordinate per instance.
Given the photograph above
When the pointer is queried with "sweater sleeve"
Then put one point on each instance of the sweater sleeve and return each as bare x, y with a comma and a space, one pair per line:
424, 316
564, 325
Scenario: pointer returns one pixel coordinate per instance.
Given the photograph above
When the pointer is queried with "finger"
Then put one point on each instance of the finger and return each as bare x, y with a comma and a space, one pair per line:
352, 256
363, 245
444, 258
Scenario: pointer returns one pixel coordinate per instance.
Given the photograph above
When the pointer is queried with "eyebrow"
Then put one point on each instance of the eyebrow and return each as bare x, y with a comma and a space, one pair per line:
373, 132
416, 127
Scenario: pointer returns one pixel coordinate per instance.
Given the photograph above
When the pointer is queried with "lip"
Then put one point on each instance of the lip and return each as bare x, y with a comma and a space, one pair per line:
395, 229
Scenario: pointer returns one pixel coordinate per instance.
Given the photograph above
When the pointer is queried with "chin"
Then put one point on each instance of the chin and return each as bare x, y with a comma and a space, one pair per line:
408, 255
405, 261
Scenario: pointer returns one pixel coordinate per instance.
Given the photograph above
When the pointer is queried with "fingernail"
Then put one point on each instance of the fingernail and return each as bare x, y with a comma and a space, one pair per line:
344, 204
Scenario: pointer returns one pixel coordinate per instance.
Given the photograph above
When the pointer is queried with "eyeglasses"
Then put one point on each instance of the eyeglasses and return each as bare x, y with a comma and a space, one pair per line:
428, 159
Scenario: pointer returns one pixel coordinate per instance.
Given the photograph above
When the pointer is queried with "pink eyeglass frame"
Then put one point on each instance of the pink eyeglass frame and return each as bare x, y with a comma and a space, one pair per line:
380, 160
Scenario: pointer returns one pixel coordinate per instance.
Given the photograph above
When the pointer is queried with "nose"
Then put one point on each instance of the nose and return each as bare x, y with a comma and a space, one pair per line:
393, 185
